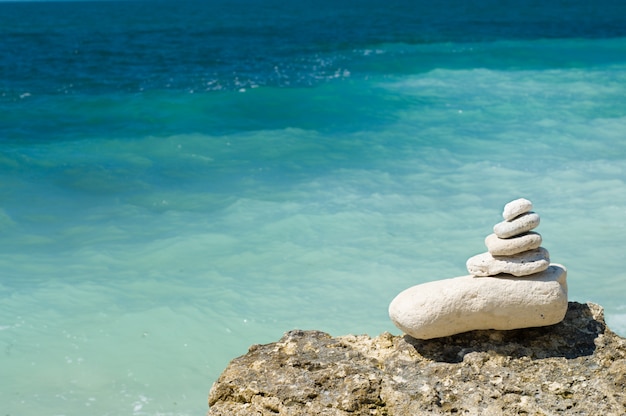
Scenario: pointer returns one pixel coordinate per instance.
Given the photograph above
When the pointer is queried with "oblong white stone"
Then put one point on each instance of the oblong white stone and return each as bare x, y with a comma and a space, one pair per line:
514, 245
466, 303
516, 208
522, 264
519, 225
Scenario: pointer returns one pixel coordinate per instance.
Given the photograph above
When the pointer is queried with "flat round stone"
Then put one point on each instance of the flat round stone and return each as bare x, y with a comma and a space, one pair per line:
519, 225
522, 264
513, 245
516, 208
451, 306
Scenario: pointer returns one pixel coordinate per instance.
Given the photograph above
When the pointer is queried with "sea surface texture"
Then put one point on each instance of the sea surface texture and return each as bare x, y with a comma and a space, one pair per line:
181, 180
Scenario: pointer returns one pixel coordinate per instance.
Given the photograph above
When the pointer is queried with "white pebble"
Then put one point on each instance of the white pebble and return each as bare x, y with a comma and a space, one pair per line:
451, 306
516, 208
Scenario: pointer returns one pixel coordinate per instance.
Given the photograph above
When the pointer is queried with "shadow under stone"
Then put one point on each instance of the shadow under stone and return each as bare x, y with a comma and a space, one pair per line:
571, 338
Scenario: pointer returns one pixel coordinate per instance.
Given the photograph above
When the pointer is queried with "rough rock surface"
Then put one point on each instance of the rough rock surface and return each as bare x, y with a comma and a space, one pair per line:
576, 367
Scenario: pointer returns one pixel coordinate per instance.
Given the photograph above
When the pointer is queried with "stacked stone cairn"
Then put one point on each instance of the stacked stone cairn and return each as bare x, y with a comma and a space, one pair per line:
513, 285
512, 248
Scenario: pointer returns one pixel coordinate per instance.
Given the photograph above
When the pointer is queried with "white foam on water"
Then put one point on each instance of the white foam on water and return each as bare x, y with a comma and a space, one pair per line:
129, 289
165, 312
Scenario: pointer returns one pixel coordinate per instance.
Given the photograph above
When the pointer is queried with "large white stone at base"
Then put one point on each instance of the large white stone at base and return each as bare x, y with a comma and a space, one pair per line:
451, 306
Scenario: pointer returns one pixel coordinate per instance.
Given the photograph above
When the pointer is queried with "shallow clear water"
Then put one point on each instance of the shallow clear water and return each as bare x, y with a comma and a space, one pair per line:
178, 183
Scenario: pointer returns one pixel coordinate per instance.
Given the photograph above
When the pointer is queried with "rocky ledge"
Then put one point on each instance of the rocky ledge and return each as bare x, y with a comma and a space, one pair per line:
576, 367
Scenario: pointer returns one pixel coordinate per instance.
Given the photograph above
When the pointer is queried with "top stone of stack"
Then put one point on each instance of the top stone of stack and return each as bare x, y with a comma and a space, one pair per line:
516, 208
512, 248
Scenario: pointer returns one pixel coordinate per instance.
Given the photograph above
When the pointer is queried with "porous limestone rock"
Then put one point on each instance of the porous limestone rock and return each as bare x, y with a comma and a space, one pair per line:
519, 225
576, 367
521, 264
451, 306
516, 208
514, 245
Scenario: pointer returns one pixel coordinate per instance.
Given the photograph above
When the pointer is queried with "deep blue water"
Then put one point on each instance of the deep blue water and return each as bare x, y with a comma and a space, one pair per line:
180, 180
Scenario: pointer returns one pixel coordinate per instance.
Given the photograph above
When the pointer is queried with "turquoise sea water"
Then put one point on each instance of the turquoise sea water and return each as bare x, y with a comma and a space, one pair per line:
179, 181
